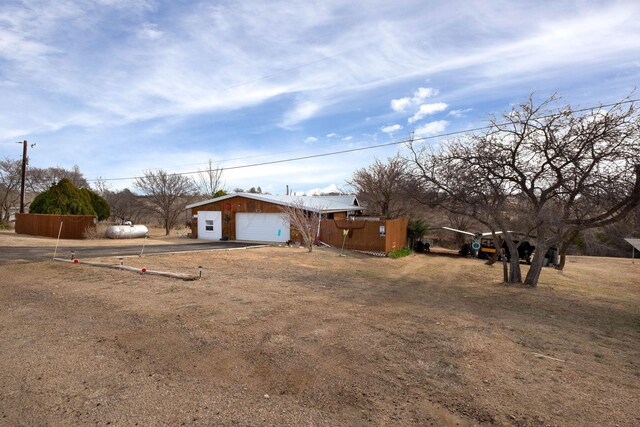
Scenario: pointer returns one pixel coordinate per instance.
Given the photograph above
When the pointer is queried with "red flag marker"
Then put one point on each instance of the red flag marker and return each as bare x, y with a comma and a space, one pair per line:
144, 270
75, 261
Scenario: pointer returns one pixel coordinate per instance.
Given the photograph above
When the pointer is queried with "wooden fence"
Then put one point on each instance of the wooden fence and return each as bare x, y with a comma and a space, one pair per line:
73, 226
375, 235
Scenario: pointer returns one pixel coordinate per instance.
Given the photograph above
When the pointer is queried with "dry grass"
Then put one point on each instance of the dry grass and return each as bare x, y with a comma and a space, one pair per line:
156, 236
331, 340
96, 233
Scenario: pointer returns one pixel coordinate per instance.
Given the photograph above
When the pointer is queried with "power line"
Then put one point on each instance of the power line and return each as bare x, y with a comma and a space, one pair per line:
313, 156
369, 147
253, 156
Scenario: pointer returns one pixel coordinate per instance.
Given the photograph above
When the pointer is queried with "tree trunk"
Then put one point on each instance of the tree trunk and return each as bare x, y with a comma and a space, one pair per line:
505, 267
563, 250
515, 275
497, 242
562, 260
536, 267
166, 227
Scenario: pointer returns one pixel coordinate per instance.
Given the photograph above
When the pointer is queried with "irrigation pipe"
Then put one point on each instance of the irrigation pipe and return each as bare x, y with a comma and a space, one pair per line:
187, 277
143, 242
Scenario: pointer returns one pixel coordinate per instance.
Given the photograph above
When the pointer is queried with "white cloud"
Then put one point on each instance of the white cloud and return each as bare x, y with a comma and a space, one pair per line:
301, 112
331, 135
347, 138
150, 32
233, 55
459, 113
391, 128
264, 64
311, 140
426, 110
14, 46
431, 128
400, 105
332, 188
423, 93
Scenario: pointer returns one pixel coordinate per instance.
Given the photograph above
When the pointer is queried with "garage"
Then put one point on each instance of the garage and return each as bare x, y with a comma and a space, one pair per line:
258, 217
262, 227
210, 225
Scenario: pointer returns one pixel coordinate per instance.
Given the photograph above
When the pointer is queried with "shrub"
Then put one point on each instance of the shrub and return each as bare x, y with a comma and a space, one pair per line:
100, 205
64, 198
97, 232
417, 228
399, 253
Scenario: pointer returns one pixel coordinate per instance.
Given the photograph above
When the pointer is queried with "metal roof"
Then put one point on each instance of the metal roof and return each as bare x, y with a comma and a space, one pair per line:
324, 204
633, 242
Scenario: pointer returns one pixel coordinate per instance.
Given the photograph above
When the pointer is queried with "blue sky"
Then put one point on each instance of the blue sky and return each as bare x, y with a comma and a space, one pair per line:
122, 86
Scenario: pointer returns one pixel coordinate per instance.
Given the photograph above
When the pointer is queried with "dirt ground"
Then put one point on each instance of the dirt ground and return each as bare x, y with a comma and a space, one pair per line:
277, 336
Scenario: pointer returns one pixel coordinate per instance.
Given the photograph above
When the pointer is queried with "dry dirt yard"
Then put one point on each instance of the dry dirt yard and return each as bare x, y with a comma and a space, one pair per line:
277, 336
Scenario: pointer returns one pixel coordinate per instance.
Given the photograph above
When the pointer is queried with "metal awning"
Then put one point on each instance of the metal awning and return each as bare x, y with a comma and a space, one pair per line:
633, 242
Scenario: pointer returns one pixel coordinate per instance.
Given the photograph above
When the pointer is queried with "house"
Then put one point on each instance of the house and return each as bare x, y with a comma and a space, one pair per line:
258, 217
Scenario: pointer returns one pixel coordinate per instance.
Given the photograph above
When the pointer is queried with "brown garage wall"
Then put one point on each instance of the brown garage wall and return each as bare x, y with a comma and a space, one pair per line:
365, 235
73, 226
229, 207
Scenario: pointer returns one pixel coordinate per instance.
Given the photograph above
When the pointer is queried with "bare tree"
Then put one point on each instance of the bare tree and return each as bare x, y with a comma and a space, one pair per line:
101, 186
209, 182
453, 183
305, 222
41, 179
544, 170
10, 179
167, 194
125, 205
460, 222
381, 186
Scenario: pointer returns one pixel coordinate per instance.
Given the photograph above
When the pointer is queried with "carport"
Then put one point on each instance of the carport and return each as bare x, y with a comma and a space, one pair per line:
635, 244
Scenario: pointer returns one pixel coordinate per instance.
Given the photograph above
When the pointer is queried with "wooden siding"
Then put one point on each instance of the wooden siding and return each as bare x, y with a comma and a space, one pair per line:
396, 234
73, 226
229, 207
364, 235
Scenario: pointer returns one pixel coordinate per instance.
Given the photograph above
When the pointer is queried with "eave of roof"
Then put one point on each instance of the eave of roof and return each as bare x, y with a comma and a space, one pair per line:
310, 203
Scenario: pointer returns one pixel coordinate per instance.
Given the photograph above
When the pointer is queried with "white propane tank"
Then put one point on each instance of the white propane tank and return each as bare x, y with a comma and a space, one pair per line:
127, 231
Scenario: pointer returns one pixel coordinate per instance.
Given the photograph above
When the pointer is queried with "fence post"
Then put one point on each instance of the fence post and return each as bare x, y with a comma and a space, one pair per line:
58, 240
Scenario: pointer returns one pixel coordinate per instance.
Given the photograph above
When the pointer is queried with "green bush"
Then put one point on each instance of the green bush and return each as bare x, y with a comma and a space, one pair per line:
417, 228
100, 205
64, 198
399, 253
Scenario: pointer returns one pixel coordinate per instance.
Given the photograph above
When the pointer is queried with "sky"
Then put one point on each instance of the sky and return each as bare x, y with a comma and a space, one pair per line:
120, 87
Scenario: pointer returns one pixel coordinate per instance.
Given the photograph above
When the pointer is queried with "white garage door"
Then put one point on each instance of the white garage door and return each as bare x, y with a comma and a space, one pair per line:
209, 225
261, 227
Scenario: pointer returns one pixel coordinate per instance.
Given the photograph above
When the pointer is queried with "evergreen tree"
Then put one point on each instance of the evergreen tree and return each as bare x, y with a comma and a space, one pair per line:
64, 198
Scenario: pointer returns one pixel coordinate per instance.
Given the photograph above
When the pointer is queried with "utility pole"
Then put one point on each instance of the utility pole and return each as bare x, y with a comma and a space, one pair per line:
24, 172
211, 189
